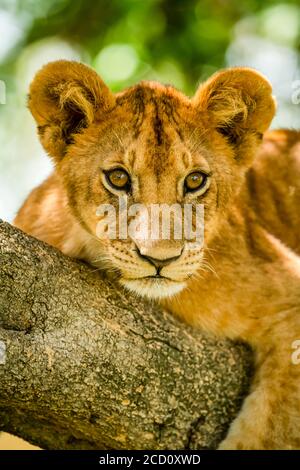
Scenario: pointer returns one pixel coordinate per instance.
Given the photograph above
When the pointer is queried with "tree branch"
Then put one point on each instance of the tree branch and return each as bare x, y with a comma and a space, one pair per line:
88, 366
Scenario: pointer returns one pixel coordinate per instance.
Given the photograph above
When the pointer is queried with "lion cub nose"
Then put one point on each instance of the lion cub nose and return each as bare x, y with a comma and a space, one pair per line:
159, 259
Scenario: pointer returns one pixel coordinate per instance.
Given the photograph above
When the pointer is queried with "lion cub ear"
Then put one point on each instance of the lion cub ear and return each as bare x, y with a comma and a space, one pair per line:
64, 98
237, 101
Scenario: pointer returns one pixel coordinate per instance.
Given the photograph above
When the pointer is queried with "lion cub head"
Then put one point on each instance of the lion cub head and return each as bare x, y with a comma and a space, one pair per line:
149, 146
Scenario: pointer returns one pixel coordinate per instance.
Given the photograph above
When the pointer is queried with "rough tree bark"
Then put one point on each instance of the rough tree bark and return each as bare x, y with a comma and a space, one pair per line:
85, 365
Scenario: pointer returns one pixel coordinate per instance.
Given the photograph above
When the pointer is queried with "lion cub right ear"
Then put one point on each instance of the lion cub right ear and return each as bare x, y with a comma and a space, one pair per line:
64, 98
237, 102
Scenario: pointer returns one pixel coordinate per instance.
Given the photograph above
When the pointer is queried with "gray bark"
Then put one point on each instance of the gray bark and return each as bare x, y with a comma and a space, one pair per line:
85, 365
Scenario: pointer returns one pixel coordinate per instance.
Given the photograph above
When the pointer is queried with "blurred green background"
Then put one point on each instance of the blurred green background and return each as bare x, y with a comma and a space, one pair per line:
181, 42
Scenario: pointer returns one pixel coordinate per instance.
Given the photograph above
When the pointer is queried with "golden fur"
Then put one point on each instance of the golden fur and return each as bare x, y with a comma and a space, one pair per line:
244, 283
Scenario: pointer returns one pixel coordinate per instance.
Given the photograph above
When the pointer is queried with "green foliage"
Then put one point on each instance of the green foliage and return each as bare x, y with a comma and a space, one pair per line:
177, 41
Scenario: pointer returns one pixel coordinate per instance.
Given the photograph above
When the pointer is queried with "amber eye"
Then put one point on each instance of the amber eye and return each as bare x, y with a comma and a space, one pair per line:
195, 181
118, 179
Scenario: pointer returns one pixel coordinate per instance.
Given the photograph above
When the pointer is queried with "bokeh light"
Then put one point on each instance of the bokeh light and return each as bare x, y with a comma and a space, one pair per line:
116, 62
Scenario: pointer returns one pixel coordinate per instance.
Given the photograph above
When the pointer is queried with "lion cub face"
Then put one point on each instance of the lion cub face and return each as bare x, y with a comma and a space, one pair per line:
149, 148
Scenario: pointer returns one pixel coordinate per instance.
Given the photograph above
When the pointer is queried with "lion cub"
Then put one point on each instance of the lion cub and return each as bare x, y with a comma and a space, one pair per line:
152, 145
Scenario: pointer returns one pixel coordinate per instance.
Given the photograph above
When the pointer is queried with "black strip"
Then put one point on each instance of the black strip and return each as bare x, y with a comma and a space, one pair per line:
143, 459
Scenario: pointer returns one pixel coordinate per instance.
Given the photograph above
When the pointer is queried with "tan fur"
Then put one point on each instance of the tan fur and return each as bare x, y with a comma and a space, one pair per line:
244, 283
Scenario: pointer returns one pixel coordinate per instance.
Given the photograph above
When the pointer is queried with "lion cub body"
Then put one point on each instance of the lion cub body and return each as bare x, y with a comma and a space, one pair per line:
244, 283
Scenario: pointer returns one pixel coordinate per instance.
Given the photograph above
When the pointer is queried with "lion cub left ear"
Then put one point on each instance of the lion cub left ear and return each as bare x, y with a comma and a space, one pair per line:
66, 97
237, 101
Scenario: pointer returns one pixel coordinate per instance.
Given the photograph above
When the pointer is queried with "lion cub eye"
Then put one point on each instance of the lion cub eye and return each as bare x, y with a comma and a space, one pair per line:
118, 179
195, 181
